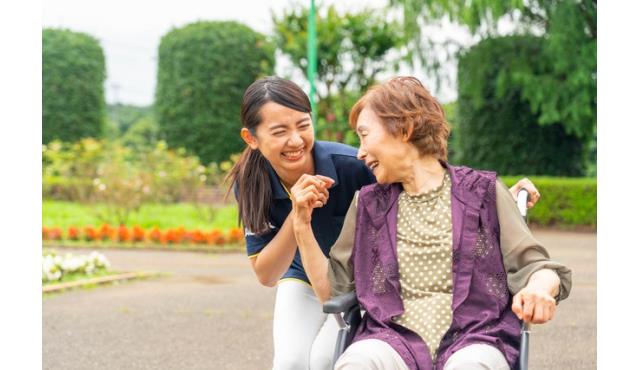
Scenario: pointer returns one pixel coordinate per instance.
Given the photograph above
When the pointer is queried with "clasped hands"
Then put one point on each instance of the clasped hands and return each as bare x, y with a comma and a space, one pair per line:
309, 192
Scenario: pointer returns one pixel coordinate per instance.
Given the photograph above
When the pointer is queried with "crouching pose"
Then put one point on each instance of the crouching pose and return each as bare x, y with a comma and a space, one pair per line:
438, 255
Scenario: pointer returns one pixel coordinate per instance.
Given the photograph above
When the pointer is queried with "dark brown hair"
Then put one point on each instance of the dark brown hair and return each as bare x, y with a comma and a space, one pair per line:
406, 107
250, 175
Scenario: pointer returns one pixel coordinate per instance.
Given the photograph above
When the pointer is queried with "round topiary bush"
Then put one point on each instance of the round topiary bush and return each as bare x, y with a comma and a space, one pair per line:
497, 128
73, 74
203, 70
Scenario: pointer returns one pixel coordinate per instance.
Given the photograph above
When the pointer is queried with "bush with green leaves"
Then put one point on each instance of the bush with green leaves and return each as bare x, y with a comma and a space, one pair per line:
565, 202
122, 179
73, 74
496, 127
203, 70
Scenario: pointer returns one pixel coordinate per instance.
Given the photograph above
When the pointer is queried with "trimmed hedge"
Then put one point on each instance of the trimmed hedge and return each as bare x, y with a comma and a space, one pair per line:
203, 70
496, 127
565, 202
73, 75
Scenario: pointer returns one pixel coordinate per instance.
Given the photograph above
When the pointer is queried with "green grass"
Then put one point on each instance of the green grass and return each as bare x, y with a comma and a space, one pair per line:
81, 276
65, 214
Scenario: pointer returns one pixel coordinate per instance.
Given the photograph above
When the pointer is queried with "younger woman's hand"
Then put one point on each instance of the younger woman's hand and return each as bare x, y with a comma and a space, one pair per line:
309, 192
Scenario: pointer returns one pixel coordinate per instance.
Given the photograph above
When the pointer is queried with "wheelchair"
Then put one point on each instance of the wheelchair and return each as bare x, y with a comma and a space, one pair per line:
346, 310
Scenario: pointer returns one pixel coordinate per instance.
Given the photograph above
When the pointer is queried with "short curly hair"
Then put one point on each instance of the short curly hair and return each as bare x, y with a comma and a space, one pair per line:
405, 106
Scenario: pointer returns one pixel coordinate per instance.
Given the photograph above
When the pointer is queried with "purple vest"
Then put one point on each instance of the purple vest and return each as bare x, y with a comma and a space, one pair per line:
481, 298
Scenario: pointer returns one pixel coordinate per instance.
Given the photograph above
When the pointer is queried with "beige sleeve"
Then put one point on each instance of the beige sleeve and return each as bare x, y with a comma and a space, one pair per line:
522, 254
340, 270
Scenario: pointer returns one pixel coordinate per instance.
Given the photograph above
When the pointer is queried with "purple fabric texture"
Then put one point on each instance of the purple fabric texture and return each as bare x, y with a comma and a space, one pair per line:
481, 299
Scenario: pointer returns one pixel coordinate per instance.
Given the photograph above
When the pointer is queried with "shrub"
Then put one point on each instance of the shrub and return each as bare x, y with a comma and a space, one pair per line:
496, 127
203, 70
73, 74
565, 202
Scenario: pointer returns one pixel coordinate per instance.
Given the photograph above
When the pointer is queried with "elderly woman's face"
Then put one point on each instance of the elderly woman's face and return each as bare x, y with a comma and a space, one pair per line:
383, 153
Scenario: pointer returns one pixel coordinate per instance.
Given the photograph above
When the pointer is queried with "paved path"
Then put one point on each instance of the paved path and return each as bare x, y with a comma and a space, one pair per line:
209, 312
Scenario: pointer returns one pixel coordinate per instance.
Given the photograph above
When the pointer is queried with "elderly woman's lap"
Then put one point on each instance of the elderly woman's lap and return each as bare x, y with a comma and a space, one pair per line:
375, 354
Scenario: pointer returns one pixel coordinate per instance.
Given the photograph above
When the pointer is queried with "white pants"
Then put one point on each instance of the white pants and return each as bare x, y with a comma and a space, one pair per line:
304, 337
374, 354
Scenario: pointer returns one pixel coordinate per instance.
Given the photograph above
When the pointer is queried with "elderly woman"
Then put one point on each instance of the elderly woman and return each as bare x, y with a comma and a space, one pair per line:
438, 255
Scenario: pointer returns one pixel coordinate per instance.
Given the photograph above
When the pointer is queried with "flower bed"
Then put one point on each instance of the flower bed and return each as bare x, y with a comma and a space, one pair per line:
136, 235
59, 268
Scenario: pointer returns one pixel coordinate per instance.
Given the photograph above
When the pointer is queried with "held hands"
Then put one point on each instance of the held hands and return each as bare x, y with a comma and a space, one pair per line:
526, 184
307, 193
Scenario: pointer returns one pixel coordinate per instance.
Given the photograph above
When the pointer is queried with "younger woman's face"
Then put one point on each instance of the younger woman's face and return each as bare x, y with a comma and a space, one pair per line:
285, 138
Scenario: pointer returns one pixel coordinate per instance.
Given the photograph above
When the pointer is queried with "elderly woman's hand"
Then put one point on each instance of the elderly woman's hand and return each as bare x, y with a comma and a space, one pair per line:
307, 193
535, 303
526, 184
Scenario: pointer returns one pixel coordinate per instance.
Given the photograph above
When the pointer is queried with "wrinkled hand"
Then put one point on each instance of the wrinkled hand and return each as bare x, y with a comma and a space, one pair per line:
307, 193
526, 184
534, 305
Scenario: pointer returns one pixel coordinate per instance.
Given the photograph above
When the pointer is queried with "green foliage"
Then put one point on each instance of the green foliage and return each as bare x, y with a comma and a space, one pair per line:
64, 214
73, 74
564, 90
565, 202
353, 48
119, 177
123, 116
203, 70
142, 134
497, 128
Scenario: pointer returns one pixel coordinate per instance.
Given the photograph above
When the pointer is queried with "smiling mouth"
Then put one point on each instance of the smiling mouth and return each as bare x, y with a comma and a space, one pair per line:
293, 156
373, 165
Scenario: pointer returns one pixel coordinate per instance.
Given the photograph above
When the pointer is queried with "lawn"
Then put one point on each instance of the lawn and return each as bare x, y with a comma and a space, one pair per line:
65, 214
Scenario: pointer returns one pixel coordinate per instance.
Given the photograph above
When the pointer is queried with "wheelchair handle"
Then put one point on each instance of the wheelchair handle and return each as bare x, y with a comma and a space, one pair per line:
522, 199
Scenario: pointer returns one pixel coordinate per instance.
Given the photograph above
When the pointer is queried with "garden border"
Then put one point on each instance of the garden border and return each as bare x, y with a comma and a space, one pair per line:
97, 281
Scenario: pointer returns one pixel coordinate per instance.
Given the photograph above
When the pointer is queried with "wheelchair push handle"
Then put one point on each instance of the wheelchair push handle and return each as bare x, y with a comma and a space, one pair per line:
522, 199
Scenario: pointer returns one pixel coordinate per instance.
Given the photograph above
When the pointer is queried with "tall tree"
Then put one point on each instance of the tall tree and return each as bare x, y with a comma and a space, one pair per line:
564, 91
353, 48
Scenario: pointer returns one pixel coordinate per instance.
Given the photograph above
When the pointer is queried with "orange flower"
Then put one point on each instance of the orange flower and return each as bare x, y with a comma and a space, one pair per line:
138, 234
123, 234
91, 234
198, 237
106, 232
45, 233
55, 233
73, 233
216, 237
156, 235
235, 235
172, 236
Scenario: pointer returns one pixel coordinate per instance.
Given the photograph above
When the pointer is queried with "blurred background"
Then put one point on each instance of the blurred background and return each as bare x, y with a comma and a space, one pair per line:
140, 119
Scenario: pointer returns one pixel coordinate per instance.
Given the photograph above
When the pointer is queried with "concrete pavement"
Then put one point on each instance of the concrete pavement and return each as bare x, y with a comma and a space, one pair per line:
211, 313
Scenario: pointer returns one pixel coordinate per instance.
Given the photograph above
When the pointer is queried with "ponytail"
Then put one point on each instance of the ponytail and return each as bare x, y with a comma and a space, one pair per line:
250, 181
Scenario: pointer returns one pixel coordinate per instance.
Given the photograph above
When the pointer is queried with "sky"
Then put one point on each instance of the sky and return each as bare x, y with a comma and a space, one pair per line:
130, 32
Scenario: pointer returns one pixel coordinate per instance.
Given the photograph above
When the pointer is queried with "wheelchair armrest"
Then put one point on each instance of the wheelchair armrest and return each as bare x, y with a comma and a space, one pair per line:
341, 303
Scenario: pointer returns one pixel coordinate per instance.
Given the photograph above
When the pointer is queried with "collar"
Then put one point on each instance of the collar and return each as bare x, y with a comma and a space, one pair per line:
322, 161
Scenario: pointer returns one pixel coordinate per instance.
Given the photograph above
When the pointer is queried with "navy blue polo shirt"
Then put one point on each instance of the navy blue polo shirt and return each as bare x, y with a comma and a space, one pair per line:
334, 160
